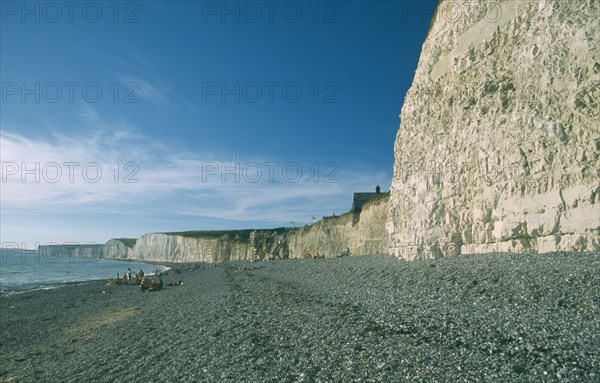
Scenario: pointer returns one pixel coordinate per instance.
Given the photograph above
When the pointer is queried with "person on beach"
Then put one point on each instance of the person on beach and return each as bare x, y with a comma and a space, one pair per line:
145, 284
156, 284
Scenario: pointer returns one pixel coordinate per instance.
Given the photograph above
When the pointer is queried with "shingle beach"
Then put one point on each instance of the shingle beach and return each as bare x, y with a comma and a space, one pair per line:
501, 317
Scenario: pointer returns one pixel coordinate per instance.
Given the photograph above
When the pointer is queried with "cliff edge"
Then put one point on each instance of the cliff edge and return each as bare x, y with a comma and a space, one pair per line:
358, 232
498, 147
361, 231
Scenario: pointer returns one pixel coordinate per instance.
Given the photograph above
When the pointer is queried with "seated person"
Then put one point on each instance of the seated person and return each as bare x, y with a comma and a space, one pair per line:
145, 284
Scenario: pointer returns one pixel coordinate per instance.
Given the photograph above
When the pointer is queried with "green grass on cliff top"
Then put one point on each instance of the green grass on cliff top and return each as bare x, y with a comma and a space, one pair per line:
240, 234
128, 242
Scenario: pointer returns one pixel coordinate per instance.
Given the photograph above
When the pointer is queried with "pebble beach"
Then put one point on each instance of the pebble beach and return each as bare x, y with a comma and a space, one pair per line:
487, 318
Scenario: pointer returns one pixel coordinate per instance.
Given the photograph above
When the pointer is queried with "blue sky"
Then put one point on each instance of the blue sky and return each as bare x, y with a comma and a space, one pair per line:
153, 116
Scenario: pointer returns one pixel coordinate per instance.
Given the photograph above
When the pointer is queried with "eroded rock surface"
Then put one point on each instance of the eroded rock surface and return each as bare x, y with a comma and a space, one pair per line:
356, 232
498, 148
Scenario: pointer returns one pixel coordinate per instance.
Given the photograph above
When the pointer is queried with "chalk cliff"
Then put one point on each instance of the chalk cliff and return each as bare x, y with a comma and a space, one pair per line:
498, 147
362, 232
114, 248
118, 248
208, 246
92, 251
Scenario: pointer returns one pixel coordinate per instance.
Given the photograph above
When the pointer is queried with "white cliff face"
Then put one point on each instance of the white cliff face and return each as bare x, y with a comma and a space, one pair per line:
362, 233
498, 148
164, 247
176, 248
114, 249
65, 251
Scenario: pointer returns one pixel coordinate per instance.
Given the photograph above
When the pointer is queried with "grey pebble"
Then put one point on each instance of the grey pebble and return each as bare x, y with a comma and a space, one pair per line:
351, 319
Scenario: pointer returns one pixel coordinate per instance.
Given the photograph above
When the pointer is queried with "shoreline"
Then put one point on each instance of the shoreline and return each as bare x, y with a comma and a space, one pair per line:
517, 317
46, 283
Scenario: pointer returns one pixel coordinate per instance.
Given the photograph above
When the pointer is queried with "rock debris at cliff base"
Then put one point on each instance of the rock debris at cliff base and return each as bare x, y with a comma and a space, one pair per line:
508, 317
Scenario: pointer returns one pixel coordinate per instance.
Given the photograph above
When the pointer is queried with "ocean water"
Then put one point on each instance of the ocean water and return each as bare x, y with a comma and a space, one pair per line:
25, 270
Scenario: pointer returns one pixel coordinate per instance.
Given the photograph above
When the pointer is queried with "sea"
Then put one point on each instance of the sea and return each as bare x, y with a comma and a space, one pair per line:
22, 270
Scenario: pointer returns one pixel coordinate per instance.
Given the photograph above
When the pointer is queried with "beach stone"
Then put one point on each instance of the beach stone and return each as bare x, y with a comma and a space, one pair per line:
519, 368
562, 373
498, 147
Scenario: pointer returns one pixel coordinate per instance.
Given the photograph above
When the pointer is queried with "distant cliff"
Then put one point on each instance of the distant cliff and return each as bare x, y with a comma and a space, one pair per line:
209, 246
499, 143
361, 232
114, 249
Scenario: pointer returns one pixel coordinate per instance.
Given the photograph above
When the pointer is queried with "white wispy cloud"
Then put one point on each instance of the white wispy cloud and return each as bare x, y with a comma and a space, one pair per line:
136, 88
111, 166
88, 114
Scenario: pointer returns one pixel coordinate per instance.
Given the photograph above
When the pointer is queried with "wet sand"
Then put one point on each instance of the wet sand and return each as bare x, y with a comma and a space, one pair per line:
504, 317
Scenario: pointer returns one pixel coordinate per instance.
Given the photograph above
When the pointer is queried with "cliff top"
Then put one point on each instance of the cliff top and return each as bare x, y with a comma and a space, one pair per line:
128, 242
241, 234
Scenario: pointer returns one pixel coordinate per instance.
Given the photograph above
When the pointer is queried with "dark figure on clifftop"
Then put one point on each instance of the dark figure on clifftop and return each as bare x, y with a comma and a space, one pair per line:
377, 189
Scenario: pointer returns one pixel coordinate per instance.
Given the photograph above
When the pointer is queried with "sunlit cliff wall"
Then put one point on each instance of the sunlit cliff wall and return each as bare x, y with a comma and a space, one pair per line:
498, 147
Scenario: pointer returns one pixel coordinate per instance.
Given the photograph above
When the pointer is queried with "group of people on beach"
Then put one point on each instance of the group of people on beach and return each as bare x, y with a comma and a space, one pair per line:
130, 278
146, 282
